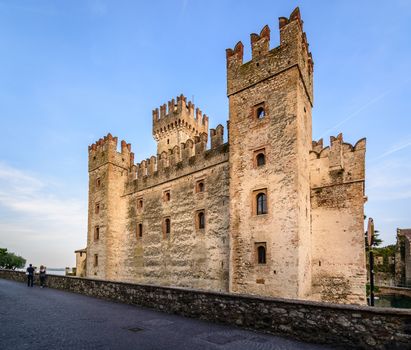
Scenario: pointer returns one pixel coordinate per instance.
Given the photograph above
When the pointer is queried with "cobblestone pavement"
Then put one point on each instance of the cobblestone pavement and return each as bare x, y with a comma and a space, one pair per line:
35, 318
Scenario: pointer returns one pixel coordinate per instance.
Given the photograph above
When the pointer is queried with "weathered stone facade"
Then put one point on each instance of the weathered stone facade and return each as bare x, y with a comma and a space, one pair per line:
403, 258
269, 212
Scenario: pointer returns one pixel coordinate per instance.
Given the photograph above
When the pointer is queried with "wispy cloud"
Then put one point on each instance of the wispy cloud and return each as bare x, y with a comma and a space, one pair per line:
396, 148
368, 104
389, 180
356, 112
40, 216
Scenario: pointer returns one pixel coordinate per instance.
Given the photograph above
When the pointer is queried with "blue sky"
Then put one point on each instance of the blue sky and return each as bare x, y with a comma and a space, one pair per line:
72, 71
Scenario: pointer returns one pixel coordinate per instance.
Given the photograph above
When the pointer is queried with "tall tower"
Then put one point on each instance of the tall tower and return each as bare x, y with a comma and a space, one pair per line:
270, 101
177, 124
108, 172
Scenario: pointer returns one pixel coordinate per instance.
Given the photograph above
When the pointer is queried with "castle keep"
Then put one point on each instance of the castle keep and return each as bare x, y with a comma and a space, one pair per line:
270, 212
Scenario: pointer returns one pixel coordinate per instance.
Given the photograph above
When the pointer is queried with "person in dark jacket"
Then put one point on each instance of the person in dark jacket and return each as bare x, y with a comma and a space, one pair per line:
30, 276
42, 274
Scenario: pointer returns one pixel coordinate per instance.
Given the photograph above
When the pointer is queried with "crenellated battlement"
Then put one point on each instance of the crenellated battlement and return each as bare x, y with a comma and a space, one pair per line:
182, 158
177, 121
338, 163
293, 51
105, 151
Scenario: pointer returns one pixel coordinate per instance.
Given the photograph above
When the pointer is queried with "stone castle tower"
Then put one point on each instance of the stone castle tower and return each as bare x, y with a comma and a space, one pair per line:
270, 101
271, 212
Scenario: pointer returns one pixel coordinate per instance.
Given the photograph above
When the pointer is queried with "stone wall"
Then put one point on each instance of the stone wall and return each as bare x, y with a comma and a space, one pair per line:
347, 326
131, 245
337, 219
276, 81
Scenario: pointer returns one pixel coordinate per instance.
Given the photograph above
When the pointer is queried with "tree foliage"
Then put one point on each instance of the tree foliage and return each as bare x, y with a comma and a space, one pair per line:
10, 260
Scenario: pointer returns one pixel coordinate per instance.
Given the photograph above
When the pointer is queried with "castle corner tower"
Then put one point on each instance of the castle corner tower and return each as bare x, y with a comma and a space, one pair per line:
270, 101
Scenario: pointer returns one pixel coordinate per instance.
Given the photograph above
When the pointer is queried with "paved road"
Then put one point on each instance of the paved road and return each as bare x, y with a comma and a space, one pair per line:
35, 318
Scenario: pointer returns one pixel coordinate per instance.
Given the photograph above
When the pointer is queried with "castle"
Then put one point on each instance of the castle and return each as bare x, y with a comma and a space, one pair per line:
270, 212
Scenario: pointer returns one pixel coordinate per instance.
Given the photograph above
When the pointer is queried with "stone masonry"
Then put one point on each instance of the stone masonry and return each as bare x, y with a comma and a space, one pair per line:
270, 212
345, 326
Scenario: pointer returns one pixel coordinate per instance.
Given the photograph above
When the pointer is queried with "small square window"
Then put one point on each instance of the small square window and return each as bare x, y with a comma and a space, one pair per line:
259, 111
259, 158
167, 196
200, 186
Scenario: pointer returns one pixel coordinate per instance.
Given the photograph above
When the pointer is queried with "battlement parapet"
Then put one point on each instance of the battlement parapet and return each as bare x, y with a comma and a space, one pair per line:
189, 156
338, 163
178, 115
265, 63
105, 151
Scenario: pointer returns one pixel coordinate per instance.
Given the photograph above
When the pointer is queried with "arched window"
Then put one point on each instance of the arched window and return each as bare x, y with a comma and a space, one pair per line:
200, 186
166, 228
261, 203
260, 159
140, 230
261, 254
140, 204
260, 112
167, 196
201, 220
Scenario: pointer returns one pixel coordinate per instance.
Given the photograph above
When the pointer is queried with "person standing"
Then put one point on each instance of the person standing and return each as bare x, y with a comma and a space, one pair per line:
30, 276
42, 276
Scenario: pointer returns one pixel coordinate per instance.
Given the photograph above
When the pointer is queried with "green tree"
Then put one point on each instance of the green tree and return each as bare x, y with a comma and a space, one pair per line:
10, 260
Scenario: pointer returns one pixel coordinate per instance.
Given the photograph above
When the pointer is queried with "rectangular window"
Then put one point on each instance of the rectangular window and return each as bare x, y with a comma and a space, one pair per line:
200, 186
97, 209
140, 230
261, 253
140, 204
166, 196
200, 220
98, 183
96, 233
260, 202
166, 228
259, 111
95, 260
259, 158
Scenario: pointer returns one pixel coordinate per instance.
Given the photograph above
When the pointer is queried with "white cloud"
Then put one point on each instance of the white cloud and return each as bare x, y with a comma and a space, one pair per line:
396, 148
389, 180
37, 216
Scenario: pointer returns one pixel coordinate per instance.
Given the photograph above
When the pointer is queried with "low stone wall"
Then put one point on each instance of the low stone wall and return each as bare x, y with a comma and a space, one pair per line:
384, 290
347, 326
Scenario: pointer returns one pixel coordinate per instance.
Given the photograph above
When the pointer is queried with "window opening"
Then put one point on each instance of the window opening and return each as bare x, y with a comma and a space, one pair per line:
260, 159
261, 255
261, 204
